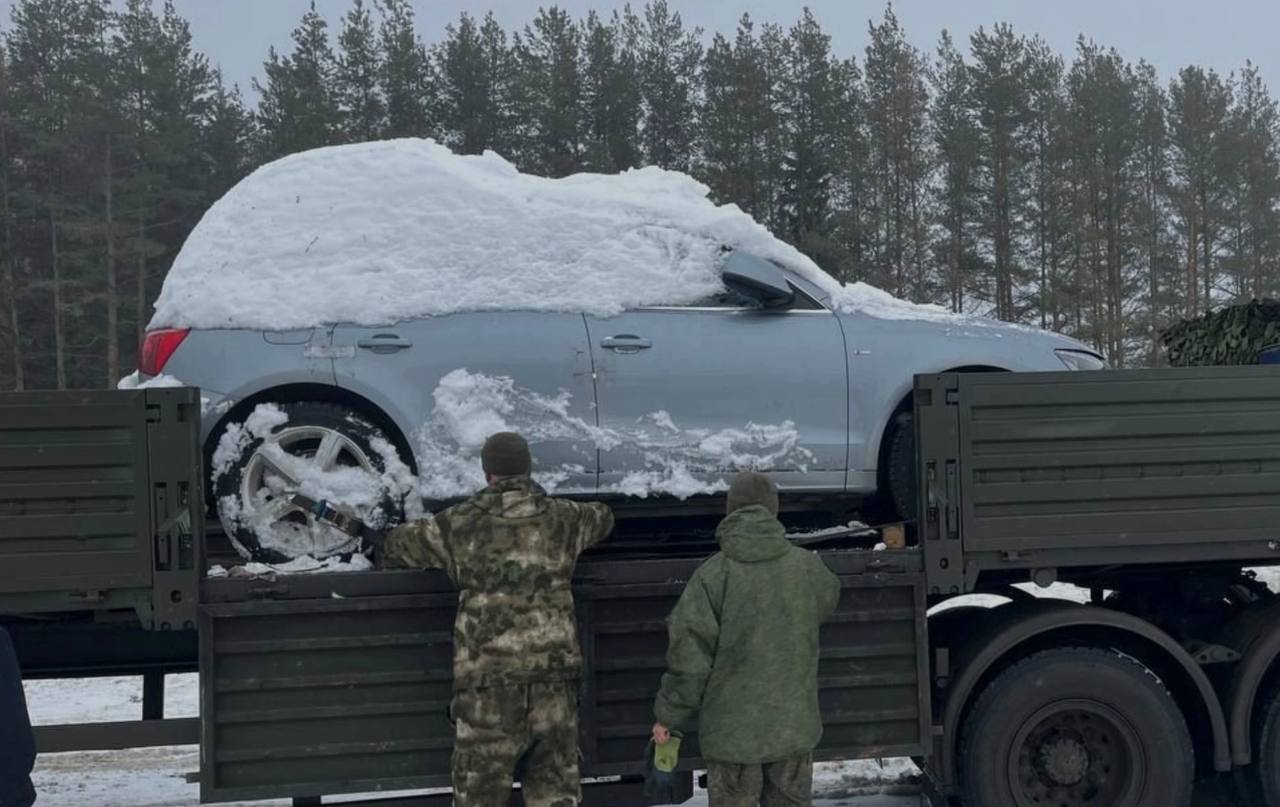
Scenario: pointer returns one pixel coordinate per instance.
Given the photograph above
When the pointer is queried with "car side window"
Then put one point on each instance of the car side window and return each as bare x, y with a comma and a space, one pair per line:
726, 299
731, 299
803, 302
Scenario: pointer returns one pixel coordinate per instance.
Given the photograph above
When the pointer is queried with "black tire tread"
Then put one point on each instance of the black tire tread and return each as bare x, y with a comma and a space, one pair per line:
1251, 781
900, 473
983, 711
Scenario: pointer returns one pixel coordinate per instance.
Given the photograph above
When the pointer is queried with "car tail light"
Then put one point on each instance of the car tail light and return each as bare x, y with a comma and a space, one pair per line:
158, 347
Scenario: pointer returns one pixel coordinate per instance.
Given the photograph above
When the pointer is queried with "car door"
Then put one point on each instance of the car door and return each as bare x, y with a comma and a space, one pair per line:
549, 396
710, 387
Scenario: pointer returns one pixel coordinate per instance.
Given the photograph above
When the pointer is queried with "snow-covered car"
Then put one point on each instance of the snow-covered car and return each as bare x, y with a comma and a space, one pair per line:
374, 311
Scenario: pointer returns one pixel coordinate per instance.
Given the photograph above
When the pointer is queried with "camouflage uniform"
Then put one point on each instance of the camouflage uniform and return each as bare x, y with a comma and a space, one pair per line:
511, 551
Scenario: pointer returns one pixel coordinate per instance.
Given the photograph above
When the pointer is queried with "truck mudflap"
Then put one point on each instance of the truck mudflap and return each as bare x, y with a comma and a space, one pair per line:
319, 685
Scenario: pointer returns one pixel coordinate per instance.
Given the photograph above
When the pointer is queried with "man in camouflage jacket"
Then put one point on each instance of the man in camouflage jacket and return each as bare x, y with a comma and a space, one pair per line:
510, 550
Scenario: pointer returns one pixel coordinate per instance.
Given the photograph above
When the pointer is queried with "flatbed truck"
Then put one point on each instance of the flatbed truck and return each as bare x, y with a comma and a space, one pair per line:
1154, 492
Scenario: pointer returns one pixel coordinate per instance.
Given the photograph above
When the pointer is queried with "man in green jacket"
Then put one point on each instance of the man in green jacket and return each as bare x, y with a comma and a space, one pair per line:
742, 658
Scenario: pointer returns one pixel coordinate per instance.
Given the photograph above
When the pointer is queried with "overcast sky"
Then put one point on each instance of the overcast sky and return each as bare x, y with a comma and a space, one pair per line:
1169, 33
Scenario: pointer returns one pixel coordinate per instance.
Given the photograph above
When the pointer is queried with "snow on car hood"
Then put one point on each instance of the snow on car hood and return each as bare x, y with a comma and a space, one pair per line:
373, 233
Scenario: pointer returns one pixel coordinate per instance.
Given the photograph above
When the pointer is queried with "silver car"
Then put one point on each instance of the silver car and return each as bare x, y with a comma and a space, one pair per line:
771, 349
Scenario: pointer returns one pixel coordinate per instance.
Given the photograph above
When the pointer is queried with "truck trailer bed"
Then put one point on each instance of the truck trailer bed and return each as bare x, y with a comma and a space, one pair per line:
1068, 471
340, 683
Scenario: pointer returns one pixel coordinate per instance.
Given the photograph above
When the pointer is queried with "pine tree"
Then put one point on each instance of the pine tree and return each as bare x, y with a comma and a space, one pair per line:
407, 83
1047, 207
298, 109
955, 137
8, 230
550, 94
1199, 114
896, 110
1104, 106
610, 97
853, 193
738, 118
475, 72
813, 94
1000, 101
165, 88
669, 59
55, 48
227, 136
774, 55
1152, 217
1256, 192
357, 74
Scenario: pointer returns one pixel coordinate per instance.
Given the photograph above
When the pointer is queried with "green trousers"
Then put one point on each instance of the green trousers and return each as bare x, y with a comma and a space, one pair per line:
786, 783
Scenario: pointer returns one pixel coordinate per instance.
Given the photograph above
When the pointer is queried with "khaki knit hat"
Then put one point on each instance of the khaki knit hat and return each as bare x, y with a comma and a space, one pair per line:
506, 454
750, 488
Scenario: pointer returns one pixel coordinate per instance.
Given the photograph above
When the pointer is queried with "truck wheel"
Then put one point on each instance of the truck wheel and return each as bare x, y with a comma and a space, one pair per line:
1259, 784
900, 475
331, 454
1076, 726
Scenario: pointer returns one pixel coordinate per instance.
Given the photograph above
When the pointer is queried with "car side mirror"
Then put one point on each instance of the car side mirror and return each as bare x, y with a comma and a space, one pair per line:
758, 279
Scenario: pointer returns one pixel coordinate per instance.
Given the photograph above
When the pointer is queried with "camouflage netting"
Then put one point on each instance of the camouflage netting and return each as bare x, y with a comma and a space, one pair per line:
1228, 336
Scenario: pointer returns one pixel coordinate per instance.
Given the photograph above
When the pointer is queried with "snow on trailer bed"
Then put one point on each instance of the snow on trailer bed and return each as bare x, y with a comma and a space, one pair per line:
374, 233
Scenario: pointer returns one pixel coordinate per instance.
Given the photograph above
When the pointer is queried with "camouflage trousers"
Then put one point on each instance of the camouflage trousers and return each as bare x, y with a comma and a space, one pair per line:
531, 728
786, 783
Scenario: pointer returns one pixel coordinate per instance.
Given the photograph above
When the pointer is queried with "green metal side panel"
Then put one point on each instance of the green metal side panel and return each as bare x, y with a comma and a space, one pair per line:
86, 481
1139, 466
340, 684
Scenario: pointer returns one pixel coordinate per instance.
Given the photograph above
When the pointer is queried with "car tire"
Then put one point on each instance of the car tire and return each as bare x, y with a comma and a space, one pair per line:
1075, 726
900, 473
297, 533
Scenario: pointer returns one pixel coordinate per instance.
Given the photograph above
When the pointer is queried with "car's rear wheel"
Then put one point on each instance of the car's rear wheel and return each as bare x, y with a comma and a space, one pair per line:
322, 451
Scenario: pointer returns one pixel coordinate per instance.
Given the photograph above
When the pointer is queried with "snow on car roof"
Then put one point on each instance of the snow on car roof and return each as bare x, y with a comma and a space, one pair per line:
373, 233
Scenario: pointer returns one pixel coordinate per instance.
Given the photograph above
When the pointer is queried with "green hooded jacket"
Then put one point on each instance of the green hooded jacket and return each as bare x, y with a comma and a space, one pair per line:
742, 658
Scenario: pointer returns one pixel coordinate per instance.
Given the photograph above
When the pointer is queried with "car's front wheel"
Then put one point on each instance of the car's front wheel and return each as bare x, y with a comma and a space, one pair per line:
320, 450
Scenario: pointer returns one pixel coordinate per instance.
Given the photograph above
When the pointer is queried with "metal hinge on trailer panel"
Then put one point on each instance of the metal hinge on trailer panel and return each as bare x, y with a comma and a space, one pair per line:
153, 413
953, 396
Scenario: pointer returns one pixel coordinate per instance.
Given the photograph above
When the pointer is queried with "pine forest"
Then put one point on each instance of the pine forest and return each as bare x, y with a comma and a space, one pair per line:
1081, 192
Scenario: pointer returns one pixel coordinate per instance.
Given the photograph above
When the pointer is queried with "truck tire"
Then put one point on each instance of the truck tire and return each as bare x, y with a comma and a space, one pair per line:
244, 500
900, 473
1075, 726
1259, 783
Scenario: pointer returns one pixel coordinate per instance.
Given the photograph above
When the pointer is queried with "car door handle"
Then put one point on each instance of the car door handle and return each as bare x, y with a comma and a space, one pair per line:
384, 343
625, 343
